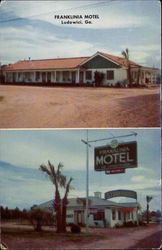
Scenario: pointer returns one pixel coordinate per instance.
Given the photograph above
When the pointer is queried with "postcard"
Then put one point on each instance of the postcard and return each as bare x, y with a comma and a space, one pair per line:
79, 64
80, 136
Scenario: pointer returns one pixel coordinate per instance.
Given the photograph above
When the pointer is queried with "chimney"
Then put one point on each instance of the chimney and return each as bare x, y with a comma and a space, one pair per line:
98, 194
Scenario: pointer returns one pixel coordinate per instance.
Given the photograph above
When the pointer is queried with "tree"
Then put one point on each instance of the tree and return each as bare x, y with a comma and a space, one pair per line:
125, 53
59, 181
148, 199
38, 218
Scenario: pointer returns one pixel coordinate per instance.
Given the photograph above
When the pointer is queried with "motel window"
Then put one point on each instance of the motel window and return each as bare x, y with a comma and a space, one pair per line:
110, 75
37, 76
99, 215
119, 215
113, 214
27, 75
66, 76
89, 75
69, 216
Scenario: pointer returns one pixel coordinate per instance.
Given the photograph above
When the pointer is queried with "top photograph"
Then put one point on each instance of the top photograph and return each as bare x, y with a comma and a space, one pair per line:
80, 64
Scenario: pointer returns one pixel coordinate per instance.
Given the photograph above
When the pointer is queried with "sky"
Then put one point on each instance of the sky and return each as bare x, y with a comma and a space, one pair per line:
23, 151
29, 29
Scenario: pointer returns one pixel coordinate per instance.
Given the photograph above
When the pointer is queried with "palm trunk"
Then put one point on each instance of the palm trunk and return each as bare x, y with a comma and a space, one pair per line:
147, 213
129, 76
64, 217
64, 205
57, 208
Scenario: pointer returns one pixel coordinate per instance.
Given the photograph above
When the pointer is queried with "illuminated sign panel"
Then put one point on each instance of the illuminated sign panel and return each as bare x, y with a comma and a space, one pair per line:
115, 171
121, 193
121, 157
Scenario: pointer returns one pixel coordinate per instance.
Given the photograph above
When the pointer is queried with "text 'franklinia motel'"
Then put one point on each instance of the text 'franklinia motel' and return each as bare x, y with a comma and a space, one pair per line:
76, 19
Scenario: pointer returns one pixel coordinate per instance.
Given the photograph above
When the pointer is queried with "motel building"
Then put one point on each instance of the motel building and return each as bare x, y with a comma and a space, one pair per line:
101, 212
78, 71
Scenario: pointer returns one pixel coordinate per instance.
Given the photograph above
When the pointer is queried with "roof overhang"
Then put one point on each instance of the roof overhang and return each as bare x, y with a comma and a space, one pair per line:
42, 70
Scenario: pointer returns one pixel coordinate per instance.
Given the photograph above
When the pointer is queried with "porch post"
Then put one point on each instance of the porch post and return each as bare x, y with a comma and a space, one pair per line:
77, 76
144, 77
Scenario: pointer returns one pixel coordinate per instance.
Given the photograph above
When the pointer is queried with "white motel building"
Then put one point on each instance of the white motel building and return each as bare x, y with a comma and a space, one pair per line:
78, 71
101, 213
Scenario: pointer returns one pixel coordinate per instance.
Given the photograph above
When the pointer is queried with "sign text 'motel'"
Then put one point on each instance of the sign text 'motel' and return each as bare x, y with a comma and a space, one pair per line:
123, 156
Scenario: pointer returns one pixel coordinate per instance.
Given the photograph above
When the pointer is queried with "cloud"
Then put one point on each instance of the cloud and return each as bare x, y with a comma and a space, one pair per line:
144, 54
138, 178
28, 41
110, 15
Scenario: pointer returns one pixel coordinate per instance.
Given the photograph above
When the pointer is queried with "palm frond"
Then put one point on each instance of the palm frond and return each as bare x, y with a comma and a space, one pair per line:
60, 166
52, 169
62, 180
44, 168
123, 53
48, 171
68, 184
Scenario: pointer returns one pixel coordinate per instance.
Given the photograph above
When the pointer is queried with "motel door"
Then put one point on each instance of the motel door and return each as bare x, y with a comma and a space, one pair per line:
78, 217
43, 77
14, 77
73, 77
49, 77
81, 77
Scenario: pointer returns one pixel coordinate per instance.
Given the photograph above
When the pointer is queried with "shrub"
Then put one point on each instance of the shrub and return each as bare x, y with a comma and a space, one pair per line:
39, 218
75, 228
142, 223
117, 225
130, 224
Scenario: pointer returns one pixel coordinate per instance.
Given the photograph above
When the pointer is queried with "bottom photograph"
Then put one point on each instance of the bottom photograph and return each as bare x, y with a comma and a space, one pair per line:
80, 189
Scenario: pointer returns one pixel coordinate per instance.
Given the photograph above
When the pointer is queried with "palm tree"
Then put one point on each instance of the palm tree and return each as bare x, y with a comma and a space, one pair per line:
148, 199
125, 53
58, 180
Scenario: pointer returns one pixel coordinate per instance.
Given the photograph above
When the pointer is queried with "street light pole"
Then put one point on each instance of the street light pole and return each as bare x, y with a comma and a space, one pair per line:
87, 181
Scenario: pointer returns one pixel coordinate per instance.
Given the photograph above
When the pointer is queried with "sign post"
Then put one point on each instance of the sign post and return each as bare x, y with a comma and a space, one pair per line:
87, 178
87, 184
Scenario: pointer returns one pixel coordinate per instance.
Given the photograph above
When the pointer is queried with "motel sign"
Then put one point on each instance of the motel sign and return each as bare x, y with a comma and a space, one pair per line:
121, 193
108, 158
